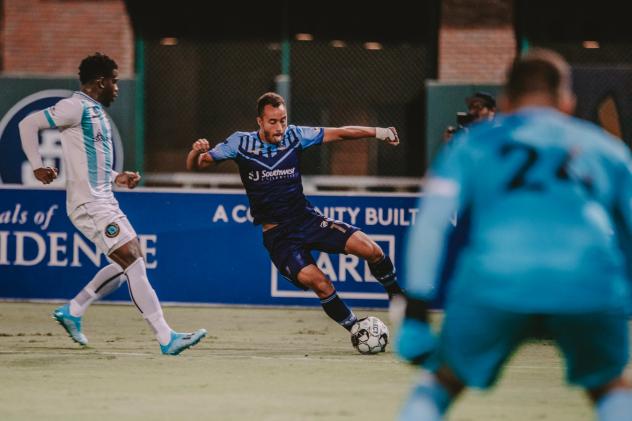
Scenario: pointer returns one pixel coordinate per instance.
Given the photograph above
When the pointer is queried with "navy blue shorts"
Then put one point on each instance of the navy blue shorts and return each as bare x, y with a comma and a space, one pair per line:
290, 244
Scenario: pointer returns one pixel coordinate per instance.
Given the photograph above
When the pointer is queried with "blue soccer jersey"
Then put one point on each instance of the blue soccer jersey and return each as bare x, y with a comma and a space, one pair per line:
549, 199
271, 173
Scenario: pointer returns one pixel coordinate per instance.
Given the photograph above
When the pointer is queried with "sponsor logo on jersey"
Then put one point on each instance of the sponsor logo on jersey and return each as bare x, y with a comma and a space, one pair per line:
267, 175
14, 167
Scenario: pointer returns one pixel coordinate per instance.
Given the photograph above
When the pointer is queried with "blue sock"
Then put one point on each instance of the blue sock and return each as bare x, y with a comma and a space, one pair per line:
338, 310
428, 401
384, 272
615, 405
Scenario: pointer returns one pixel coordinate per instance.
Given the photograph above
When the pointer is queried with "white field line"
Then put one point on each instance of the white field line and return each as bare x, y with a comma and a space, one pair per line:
349, 359
213, 356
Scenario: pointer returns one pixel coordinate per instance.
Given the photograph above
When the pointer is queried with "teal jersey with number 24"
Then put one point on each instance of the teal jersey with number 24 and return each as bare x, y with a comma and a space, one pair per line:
549, 199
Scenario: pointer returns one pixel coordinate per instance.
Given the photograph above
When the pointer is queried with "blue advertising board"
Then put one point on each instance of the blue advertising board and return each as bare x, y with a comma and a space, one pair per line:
200, 246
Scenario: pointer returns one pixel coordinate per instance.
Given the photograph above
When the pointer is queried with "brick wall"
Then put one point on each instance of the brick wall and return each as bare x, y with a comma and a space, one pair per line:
476, 40
52, 36
1, 33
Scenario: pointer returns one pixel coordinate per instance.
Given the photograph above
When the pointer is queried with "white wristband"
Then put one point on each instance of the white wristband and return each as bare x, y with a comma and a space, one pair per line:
384, 134
113, 176
381, 133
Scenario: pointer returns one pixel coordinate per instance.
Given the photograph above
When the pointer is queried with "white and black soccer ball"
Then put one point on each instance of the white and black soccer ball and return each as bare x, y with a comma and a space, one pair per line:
369, 335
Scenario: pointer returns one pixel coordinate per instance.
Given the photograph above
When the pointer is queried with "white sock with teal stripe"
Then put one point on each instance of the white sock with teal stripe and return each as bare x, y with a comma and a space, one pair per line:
145, 298
106, 281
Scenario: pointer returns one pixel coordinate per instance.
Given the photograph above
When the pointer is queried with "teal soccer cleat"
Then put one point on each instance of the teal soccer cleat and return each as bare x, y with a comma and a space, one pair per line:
71, 323
181, 341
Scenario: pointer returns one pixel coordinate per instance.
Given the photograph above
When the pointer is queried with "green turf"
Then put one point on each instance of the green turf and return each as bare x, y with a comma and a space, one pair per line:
263, 364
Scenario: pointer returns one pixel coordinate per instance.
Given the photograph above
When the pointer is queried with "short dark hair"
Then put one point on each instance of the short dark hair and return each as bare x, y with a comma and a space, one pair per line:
486, 98
269, 98
96, 66
538, 71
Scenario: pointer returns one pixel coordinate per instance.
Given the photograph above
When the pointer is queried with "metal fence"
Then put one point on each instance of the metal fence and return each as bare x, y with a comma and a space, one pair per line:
209, 89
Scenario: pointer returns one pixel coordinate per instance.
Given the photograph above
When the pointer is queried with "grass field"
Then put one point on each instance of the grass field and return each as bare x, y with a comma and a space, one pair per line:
263, 364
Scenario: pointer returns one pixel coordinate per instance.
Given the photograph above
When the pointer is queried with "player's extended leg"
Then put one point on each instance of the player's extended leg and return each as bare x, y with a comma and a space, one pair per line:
313, 278
382, 269
431, 396
107, 280
596, 350
130, 258
613, 401
474, 343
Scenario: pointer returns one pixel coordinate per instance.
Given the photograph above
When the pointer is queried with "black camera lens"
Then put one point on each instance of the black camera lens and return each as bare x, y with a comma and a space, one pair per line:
463, 119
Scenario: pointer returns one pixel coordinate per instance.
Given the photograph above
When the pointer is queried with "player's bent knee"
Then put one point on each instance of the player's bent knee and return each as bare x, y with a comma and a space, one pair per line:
361, 245
372, 251
376, 252
127, 254
320, 285
323, 288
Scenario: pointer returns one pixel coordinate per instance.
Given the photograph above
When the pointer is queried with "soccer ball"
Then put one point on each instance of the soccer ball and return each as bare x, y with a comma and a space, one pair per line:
369, 335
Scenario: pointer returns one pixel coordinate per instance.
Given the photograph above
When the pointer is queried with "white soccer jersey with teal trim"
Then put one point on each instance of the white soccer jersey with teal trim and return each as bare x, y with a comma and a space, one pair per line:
86, 140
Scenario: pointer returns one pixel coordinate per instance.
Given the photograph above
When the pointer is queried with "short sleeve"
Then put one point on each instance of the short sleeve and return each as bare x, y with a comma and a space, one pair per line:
310, 136
65, 113
226, 149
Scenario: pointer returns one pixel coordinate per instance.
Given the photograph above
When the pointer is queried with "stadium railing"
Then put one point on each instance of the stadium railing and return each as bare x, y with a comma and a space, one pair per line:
311, 184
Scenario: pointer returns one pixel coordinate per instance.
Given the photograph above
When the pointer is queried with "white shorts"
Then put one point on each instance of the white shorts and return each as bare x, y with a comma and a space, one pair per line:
104, 224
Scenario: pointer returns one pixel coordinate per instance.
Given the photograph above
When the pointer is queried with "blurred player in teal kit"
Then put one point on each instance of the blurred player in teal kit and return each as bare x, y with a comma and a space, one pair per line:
549, 199
269, 165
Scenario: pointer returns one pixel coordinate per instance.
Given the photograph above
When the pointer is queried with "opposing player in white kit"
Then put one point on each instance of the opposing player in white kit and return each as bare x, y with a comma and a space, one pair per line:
86, 139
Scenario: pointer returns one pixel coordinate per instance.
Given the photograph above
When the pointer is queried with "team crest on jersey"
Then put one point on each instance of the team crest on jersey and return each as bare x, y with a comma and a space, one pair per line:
323, 224
112, 230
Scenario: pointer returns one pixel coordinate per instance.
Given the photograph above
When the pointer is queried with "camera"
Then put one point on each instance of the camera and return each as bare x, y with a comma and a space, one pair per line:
463, 119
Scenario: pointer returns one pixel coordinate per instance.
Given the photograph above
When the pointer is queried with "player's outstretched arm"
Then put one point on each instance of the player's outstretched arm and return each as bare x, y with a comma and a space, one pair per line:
198, 158
333, 134
29, 129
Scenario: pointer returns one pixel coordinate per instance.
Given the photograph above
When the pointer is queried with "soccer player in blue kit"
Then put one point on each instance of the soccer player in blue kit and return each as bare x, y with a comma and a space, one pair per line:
549, 199
269, 165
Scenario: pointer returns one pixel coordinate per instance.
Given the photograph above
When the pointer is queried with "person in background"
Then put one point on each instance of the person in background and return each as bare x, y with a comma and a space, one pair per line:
481, 106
